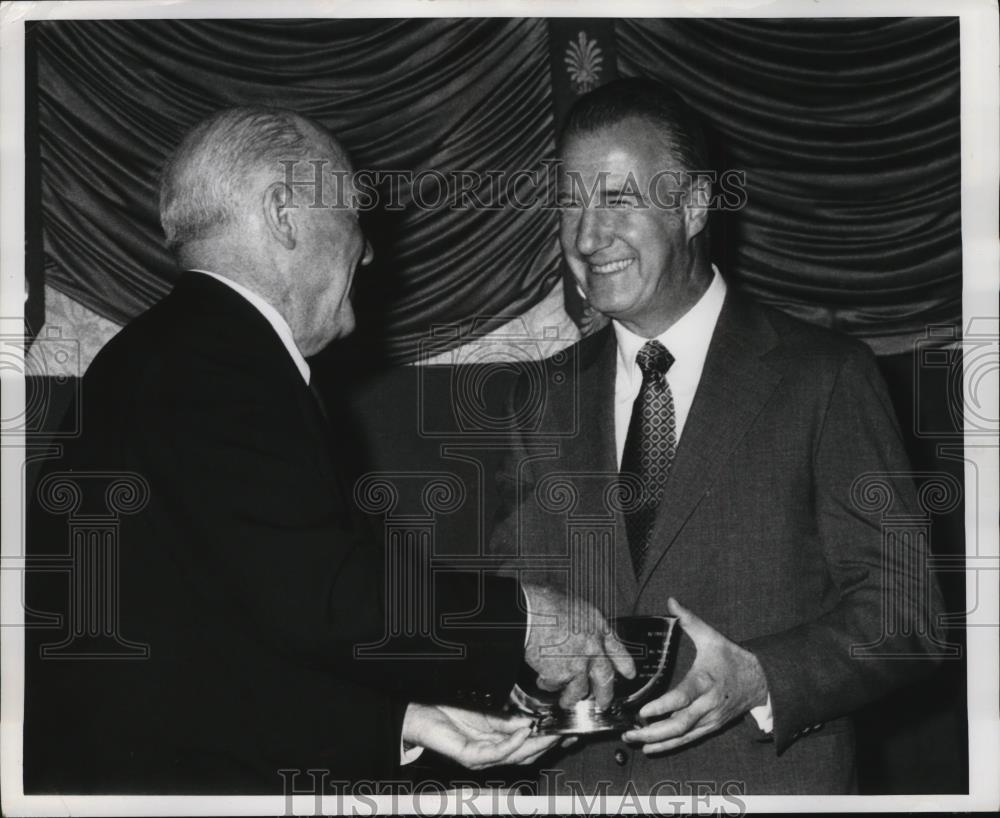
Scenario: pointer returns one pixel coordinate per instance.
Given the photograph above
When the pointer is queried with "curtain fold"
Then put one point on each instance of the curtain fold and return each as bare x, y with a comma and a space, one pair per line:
849, 134
403, 95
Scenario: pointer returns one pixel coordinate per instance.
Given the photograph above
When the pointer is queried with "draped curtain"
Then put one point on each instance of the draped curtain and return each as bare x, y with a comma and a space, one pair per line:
847, 130
403, 95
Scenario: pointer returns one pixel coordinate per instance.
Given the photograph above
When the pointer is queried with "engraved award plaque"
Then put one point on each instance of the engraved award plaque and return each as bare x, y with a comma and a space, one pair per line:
648, 640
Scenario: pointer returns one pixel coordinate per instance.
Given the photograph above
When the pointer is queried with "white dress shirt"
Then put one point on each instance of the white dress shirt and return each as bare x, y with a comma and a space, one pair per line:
274, 318
687, 341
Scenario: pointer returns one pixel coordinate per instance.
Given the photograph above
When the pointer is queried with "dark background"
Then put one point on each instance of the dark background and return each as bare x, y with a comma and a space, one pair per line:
848, 131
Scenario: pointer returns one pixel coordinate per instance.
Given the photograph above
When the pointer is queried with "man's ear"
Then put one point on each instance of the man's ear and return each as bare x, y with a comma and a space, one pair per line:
696, 207
278, 212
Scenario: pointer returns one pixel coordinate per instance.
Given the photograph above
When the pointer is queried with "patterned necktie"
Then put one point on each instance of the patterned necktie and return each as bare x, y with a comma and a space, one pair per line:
650, 446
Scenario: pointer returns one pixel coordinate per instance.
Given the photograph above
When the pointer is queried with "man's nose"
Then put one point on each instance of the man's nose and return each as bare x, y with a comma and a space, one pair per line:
591, 232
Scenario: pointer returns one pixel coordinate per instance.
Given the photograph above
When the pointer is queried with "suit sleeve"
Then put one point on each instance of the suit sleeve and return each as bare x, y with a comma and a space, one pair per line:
880, 633
514, 536
253, 515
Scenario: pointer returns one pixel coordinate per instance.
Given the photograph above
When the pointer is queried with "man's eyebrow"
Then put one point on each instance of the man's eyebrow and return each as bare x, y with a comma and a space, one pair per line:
574, 193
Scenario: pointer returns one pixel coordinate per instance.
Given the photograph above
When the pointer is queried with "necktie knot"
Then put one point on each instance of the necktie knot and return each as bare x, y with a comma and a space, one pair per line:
653, 360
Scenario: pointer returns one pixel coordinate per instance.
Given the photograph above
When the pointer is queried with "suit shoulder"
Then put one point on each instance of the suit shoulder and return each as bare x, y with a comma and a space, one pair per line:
172, 345
798, 339
138, 345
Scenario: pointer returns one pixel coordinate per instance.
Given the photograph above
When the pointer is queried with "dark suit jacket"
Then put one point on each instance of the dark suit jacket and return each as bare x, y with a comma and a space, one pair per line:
758, 533
247, 574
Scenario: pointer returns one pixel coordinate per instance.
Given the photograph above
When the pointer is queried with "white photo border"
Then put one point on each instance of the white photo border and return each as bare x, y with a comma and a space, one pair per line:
981, 281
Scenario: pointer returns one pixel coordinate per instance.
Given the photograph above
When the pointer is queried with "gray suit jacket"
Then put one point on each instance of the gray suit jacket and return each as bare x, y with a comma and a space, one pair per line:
768, 530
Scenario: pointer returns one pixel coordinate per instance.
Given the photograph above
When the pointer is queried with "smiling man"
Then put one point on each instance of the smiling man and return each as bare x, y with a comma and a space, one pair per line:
744, 430
629, 248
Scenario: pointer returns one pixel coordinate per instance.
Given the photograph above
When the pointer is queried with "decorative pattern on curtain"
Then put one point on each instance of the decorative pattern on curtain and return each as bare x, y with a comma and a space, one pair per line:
848, 131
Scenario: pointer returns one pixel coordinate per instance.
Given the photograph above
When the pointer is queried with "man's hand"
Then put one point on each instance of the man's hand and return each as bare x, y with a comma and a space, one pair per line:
474, 740
724, 682
572, 647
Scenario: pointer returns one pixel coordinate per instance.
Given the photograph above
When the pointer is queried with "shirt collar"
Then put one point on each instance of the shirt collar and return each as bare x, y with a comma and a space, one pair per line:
274, 318
687, 339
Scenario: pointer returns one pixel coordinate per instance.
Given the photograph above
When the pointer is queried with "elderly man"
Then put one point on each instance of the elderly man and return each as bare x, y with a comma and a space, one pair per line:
742, 431
247, 574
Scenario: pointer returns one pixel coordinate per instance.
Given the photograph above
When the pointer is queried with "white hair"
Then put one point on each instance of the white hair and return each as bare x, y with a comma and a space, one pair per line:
204, 185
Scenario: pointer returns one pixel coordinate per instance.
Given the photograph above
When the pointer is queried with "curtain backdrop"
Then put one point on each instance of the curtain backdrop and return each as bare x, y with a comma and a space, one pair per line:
404, 95
848, 131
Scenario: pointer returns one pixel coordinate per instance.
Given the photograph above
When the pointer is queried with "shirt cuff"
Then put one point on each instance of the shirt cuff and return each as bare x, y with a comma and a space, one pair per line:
763, 715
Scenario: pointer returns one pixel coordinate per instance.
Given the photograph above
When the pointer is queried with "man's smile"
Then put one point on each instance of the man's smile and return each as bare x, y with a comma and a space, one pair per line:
612, 266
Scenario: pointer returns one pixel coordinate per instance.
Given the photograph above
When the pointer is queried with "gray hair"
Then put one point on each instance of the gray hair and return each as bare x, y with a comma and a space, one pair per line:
678, 125
204, 184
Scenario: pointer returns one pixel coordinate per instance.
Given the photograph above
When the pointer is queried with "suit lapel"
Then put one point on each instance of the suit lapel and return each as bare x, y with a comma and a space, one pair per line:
595, 443
735, 384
